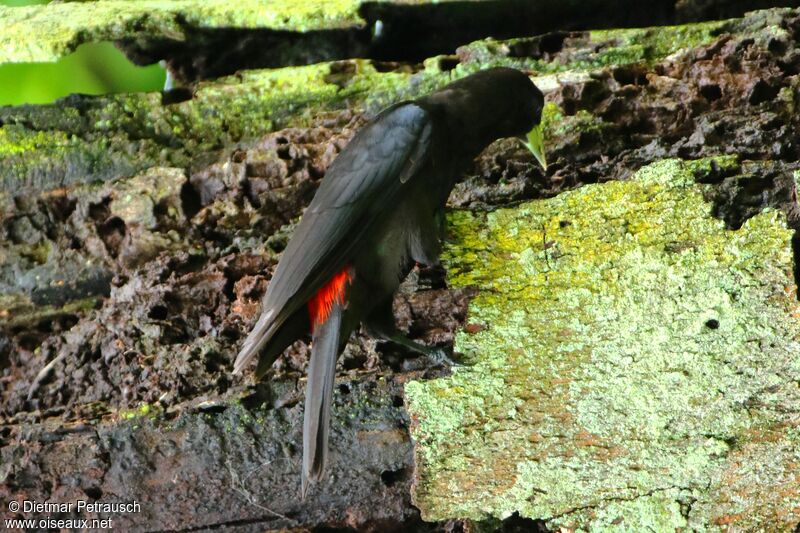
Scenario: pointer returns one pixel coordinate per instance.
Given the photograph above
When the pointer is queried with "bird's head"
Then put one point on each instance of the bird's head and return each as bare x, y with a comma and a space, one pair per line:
493, 104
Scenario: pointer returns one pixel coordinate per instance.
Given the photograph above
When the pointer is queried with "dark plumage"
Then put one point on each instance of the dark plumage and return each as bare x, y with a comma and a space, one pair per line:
378, 210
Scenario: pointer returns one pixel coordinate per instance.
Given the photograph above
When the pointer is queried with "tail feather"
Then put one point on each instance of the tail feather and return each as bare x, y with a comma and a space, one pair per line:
319, 396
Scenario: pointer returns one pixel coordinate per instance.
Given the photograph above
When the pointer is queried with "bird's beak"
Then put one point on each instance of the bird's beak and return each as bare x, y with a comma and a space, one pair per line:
534, 140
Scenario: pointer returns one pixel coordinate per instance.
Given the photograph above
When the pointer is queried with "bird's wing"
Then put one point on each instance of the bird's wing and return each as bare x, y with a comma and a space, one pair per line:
360, 185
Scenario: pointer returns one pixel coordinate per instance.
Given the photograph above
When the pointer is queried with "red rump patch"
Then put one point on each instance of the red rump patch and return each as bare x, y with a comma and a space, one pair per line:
320, 305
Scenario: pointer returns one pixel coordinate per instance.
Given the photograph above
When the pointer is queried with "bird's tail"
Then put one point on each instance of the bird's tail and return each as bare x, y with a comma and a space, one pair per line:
319, 395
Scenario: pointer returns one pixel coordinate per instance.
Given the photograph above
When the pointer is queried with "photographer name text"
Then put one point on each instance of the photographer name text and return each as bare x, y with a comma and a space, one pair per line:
77, 506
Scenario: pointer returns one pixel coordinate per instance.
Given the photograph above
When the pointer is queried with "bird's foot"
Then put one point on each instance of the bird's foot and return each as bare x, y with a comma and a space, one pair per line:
439, 357
436, 354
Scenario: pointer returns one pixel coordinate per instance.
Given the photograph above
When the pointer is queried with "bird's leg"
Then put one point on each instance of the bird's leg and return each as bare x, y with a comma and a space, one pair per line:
380, 326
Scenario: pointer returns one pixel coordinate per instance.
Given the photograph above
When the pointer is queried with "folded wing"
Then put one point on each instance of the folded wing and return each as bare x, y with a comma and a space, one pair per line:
362, 183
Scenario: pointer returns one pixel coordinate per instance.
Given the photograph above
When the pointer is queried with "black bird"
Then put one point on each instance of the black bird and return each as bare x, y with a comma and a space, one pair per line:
380, 209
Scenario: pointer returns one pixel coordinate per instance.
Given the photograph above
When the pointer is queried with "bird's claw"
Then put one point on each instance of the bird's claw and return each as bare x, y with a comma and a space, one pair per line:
439, 357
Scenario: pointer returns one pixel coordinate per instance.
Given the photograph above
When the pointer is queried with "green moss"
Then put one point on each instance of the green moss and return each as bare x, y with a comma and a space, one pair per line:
15, 140
651, 44
559, 125
44, 159
45, 33
123, 134
105, 138
17, 310
145, 410
593, 50
38, 252
624, 331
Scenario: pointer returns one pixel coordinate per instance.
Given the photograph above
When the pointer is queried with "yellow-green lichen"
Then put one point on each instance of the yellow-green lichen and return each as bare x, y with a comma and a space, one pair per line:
632, 352
703, 167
